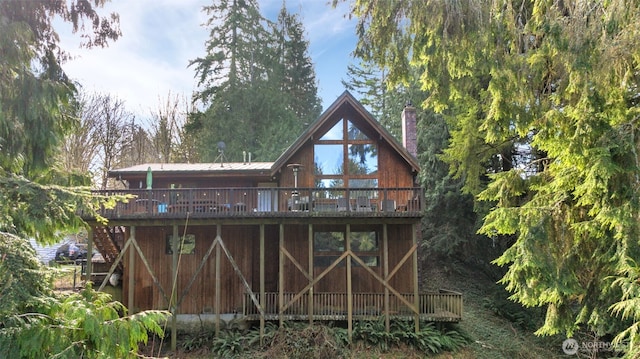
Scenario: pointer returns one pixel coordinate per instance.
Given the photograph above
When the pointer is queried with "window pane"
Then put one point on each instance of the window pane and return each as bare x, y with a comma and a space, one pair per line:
364, 183
329, 183
328, 159
370, 261
328, 242
325, 261
335, 133
364, 241
363, 159
355, 133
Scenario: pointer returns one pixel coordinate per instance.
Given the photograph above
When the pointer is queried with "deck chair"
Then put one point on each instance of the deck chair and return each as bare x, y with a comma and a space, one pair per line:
342, 205
363, 204
388, 205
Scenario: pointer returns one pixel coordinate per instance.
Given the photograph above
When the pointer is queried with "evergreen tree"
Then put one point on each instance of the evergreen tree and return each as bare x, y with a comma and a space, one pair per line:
384, 100
256, 84
35, 93
37, 200
541, 101
298, 81
229, 77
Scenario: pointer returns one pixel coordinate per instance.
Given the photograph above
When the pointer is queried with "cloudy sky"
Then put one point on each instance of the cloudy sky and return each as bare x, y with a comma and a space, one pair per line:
159, 37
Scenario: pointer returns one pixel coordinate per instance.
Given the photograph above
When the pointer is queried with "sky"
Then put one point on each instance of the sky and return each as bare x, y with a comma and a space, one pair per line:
160, 37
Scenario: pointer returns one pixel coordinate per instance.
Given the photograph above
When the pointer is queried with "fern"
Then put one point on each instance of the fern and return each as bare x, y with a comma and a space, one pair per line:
229, 344
86, 324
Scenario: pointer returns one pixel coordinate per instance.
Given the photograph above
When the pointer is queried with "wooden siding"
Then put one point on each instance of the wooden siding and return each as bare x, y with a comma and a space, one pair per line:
242, 242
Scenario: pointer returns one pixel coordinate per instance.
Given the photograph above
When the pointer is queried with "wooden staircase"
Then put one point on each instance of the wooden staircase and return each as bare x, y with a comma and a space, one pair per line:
104, 240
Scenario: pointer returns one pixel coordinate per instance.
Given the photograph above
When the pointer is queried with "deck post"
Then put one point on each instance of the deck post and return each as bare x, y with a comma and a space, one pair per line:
310, 273
281, 277
385, 267
132, 279
416, 297
175, 243
262, 284
349, 289
217, 297
89, 267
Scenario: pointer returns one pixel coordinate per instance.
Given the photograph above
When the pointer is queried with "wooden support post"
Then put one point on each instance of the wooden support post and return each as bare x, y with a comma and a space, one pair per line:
218, 285
347, 241
310, 239
281, 277
385, 268
262, 284
132, 279
175, 249
416, 292
88, 271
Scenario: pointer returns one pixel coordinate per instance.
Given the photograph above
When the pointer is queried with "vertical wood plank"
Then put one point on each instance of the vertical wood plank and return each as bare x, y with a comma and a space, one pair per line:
175, 243
218, 296
281, 277
311, 274
349, 289
416, 298
385, 266
132, 279
262, 284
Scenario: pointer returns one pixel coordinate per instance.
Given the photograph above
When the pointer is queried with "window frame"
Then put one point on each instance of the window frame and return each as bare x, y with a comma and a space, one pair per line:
345, 176
332, 255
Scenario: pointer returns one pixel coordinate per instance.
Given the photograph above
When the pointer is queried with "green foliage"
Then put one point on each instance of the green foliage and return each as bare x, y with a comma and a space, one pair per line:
257, 84
86, 324
45, 212
496, 300
373, 333
229, 344
541, 102
24, 279
35, 93
297, 75
193, 342
428, 339
36, 199
629, 307
35, 323
301, 340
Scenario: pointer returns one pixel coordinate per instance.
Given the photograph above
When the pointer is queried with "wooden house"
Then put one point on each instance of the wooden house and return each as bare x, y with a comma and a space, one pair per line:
329, 231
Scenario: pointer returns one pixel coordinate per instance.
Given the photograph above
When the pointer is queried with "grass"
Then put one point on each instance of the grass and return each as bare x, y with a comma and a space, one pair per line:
66, 276
486, 308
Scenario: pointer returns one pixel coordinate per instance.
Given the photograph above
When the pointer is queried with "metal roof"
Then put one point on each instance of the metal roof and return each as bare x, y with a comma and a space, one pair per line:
215, 167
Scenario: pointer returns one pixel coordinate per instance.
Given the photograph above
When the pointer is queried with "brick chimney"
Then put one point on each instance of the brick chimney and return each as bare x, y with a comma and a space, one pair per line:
409, 129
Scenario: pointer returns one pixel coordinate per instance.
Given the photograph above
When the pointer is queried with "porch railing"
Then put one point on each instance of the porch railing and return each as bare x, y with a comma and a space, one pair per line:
259, 201
443, 305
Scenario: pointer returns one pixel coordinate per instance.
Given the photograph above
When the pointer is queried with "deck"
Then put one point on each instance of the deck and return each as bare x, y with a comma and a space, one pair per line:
265, 202
441, 306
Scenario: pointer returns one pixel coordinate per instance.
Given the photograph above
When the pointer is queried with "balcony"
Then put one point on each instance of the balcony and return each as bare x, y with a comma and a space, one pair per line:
265, 202
443, 306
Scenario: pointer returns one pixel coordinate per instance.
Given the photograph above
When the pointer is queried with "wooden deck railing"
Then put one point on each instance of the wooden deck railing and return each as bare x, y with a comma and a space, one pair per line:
260, 202
437, 306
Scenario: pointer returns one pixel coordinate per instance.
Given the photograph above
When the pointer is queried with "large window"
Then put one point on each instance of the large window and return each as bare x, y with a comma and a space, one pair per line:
329, 246
345, 157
